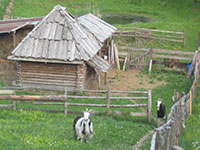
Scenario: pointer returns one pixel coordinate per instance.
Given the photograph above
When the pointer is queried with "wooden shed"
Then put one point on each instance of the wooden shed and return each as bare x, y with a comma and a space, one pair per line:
60, 52
12, 32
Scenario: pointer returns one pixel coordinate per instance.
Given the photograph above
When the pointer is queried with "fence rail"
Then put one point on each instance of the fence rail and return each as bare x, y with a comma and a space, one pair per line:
63, 100
166, 136
152, 34
138, 58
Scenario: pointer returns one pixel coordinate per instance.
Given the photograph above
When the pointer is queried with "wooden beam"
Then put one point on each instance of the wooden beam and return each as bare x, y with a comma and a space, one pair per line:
181, 64
171, 57
33, 98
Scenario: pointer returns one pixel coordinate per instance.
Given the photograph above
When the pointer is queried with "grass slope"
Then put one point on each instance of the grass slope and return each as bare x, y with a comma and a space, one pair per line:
38, 130
172, 15
3, 6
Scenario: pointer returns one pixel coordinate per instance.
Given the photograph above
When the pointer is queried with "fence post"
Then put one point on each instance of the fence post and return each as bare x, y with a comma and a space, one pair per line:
158, 141
167, 139
108, 100
191, 101
65, 103
14, 103
149, 105
171, 135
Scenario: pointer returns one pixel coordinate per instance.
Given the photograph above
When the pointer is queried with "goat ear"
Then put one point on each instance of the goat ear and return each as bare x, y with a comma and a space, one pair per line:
90, 110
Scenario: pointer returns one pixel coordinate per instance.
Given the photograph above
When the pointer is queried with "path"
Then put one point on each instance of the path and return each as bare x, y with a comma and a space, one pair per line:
141, 141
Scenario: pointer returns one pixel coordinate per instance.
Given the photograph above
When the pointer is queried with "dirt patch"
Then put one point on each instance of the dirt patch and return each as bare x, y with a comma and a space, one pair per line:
130, 80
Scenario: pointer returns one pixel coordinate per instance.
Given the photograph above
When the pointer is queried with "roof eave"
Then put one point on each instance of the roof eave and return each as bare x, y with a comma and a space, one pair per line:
44, 61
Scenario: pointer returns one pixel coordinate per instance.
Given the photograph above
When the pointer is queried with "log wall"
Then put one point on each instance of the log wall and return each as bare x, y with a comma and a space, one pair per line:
50, 75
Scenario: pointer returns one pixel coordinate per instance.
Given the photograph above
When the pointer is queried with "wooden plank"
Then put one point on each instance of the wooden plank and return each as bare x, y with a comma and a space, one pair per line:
130, 98
172, 52
115, 91
153, 30
129, 106
171, 57
72, 52
6, 106
180, 64
10, 92
49, 83
33, 98
105, 105
47, 103
88, 105
49, 80
138, 114
30, 74
133, 49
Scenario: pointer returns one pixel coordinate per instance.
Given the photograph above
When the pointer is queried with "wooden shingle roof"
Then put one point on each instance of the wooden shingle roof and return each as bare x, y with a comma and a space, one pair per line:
101, 29
58, 37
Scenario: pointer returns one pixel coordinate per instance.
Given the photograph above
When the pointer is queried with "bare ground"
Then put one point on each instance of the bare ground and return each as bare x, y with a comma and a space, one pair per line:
129, 80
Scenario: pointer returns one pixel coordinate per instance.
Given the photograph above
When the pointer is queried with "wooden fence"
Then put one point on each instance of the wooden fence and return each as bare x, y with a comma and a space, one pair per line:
138, 58
152, 34
166, 136
63, 100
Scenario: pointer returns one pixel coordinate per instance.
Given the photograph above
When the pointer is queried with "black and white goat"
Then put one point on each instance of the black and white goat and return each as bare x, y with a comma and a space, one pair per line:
160, 109
83, 127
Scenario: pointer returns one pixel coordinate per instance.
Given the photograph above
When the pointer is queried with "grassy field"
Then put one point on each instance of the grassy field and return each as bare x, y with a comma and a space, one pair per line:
3, 6
37, 130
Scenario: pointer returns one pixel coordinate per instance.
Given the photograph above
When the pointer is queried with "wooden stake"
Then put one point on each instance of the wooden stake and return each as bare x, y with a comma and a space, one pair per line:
150, 65
105, 77
65, 103
190, 102
149, 105
124, 66
108, 100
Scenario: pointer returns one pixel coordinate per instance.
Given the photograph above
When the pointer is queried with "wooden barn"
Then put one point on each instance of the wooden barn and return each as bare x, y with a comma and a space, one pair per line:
61, 52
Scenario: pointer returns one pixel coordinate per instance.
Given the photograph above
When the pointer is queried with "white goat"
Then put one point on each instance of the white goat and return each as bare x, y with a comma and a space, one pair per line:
83, 127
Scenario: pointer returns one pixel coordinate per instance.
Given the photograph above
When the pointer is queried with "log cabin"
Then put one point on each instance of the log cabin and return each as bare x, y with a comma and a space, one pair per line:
62, 52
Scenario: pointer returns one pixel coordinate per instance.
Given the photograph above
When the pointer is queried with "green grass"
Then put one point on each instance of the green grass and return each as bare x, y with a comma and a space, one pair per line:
190, 135
38, 130
47, 129
3, 6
